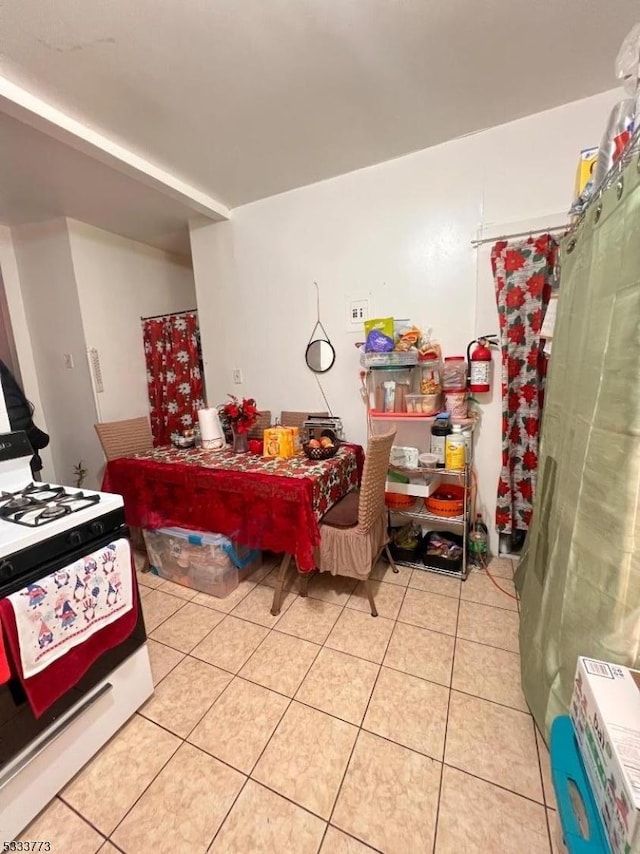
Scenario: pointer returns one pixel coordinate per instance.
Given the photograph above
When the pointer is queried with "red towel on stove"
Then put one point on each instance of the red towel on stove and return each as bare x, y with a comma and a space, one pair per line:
5, 672
60, 676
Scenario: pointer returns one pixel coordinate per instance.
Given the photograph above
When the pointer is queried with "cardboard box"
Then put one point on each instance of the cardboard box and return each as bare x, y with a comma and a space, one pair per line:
605, 710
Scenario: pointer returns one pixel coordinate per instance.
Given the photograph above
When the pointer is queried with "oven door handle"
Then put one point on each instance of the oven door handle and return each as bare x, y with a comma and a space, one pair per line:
38, 748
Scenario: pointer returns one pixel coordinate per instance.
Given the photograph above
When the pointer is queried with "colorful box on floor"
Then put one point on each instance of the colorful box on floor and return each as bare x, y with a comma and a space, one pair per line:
605, 710
209, 563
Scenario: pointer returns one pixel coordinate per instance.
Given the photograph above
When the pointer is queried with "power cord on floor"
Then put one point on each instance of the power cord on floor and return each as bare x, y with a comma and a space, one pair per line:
485, 566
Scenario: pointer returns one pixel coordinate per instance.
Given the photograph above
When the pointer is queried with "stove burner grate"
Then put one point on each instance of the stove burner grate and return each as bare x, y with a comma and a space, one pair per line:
38, 504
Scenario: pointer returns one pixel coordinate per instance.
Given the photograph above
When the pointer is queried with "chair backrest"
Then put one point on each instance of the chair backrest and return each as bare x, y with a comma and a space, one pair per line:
124, 438
297, 419
374, 476
264, 421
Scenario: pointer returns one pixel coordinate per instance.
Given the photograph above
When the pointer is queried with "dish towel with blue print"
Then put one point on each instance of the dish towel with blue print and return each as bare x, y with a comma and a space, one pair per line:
61, 611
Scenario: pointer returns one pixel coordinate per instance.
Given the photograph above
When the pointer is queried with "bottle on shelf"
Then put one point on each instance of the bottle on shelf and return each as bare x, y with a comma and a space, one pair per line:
440, 429
479, 542
455, 449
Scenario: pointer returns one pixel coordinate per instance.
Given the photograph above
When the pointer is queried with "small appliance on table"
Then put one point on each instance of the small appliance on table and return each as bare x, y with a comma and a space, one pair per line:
43, 529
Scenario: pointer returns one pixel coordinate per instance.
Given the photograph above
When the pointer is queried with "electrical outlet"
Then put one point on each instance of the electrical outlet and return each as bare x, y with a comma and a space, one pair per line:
68, 360
237, 376
358, 310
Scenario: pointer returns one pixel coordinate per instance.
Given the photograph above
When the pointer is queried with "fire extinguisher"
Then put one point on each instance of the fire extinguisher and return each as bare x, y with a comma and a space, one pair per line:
479, 362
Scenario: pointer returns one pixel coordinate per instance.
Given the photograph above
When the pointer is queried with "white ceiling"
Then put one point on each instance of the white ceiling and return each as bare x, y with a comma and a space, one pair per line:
247, 98
41, 178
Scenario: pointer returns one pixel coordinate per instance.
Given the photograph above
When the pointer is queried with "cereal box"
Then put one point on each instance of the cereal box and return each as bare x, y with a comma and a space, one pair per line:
605, 709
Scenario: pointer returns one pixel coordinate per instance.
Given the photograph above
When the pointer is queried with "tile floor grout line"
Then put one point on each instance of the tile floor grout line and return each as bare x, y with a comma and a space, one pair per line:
497, 785
78, 813
226, 815
351, 836
249, 776
149, 784
493, 702
544, 793
446, 727
360, 729
182, 740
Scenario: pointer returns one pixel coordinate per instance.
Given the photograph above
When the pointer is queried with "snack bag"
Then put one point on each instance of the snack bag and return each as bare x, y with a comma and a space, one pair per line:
428, 349
407, 338
379, 335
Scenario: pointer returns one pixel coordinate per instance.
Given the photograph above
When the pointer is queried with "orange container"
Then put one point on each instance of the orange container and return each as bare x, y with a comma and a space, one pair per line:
398, 501
446, 501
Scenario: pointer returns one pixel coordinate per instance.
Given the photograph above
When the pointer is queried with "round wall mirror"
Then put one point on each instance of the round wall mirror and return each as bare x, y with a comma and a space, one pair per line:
320, 355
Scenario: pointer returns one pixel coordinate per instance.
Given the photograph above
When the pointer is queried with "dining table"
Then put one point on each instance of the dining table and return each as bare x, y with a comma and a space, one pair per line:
272, 504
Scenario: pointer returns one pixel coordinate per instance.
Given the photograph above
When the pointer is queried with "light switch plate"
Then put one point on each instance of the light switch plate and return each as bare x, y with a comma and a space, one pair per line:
237, 376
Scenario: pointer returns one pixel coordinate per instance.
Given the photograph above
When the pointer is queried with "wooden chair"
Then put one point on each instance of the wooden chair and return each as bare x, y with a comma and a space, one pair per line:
264, 421
297, 419
354, 531
124, 439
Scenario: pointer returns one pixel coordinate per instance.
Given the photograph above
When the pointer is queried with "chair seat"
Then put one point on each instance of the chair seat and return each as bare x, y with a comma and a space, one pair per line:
343, 514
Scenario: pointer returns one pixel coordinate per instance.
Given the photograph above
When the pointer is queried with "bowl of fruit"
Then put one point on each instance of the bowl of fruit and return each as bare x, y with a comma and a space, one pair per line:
323, 448
184, 440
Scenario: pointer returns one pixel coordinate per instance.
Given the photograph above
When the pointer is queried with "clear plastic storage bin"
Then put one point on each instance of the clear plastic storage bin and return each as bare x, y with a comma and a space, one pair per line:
209, 563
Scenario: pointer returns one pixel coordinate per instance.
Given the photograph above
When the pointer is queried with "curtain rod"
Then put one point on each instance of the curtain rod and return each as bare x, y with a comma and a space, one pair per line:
170, 314
530, 232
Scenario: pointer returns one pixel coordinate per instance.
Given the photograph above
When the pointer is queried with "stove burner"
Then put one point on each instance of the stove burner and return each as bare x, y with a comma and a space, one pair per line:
40, 503
17, 503
54, 511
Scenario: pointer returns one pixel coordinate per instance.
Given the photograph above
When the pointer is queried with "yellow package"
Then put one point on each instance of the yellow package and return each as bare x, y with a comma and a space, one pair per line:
586, 167
295, 435
278, 442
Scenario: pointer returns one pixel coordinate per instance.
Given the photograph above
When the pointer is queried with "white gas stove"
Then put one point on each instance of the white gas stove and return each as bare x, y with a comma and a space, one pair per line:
38, 512
44, 527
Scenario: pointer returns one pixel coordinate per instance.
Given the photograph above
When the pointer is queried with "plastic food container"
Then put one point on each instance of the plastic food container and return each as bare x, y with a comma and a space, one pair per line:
429, 461
446, 501
425, 404
454, 374
430, 381
455, 402
210, 563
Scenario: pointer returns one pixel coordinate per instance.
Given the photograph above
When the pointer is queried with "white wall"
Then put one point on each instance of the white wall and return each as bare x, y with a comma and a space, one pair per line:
22, 339
118, 282
400, 230
52, 310
71, 286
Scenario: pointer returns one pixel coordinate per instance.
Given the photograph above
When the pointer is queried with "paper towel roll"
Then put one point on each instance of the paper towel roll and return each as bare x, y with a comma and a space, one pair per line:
210, 429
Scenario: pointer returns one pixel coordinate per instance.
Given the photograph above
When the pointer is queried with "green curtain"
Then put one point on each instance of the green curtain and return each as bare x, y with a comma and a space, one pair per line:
579, 578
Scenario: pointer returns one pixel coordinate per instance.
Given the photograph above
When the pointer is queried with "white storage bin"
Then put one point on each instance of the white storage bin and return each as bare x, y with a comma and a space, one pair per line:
209, 563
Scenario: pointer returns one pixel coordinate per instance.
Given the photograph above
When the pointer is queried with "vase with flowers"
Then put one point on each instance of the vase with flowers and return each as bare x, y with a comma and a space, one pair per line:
238, 417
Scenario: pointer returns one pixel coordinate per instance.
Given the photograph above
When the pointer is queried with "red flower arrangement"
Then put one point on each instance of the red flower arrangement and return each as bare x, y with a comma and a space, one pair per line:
240, 415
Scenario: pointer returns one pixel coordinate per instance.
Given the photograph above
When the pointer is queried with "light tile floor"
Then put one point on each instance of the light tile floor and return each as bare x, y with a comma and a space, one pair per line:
322, 729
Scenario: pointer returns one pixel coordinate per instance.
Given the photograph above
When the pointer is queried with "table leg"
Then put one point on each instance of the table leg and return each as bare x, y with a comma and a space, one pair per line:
277, 593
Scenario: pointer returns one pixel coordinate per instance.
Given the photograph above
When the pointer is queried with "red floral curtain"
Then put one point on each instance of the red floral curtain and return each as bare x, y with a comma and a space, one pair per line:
174, 378
523, 274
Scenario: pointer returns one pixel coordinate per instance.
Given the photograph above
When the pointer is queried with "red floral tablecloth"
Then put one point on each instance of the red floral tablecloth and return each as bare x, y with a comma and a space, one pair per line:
262, 503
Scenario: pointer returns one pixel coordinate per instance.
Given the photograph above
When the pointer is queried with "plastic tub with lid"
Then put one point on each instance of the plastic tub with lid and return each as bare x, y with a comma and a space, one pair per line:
209, 563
